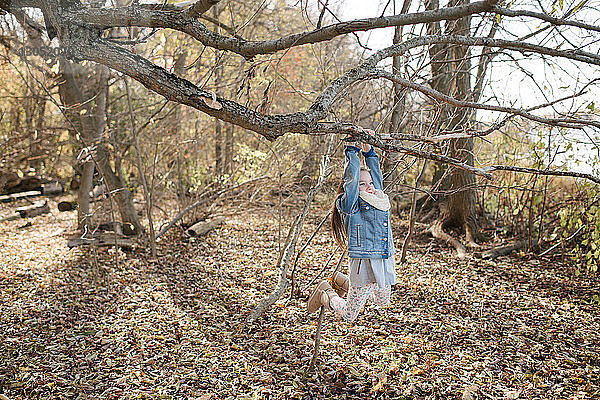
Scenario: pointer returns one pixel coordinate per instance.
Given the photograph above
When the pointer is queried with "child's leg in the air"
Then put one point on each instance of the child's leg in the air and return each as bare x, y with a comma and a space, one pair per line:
349, 308
380, 296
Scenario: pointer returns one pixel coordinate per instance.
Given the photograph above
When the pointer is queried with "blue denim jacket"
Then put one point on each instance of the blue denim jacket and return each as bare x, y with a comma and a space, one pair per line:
367, 228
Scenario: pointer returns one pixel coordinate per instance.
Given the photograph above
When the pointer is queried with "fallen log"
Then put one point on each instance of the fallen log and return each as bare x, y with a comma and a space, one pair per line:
39, 208
116, 227
7, 179
25, 184
496, 252
11, 217
203, 227
52, 188
16, 196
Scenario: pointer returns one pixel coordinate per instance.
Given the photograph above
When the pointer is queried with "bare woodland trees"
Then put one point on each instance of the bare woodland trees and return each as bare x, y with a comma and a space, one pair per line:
448, 50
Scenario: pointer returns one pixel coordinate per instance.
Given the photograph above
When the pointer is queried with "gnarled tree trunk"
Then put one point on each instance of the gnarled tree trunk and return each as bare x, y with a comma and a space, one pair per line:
451, 75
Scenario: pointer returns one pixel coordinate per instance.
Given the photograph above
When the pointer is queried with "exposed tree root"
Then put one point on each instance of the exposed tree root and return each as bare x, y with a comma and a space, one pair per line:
438, 233
473, 233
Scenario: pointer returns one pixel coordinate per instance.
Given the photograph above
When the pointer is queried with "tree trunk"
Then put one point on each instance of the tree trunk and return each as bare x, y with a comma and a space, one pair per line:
461, 211
72, 100
451, 75
84, 217
399, 107
440, 81
218, 123
36, 104
89, 124
390, 159
182, 186
218, 149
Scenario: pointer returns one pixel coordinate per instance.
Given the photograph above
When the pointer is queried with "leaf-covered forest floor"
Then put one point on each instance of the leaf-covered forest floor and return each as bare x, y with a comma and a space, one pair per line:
100, 324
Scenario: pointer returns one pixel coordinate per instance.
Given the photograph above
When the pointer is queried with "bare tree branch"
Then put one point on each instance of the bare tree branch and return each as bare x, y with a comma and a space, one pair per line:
104, 18
359, 134
79, 30
544, 17
199, 8
542, 172
182, 91
574, 123
295, 230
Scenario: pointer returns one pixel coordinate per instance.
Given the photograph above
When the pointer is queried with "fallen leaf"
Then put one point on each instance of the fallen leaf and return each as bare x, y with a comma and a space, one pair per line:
469, 392
382, 380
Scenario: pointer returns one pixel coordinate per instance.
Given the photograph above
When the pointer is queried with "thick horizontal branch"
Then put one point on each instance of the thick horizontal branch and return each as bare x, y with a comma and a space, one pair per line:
545, 17
153, 18
182, 91
136, 15
272, 126
359, 134
542, 172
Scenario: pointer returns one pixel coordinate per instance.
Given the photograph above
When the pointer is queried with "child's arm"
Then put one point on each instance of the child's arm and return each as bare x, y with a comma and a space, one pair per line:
347, 202
372, 162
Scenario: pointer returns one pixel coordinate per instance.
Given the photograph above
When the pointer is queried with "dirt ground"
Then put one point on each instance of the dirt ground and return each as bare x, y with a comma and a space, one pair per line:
99, 324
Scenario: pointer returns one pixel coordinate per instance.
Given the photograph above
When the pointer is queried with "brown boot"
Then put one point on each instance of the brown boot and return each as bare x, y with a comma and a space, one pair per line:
320, 297
340, 283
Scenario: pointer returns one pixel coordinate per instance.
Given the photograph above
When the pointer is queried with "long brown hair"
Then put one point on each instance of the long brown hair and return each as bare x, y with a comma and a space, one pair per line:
337, 224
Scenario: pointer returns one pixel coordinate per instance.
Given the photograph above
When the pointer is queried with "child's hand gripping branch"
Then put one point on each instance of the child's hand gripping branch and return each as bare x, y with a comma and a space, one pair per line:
365, 147
361, 223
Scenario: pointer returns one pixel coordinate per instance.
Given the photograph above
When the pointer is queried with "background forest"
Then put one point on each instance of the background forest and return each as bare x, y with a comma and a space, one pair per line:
59, 118
235, 113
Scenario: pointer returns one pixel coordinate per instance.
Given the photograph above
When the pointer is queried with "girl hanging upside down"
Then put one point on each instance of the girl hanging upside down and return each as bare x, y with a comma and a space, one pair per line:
360, 221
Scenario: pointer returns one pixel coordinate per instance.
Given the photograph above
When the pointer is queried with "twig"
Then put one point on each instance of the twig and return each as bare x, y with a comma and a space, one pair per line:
304, 248
289, 248
574, 123
199, 8
337, 267
313, 361
558, 244
542, 172
544, 17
